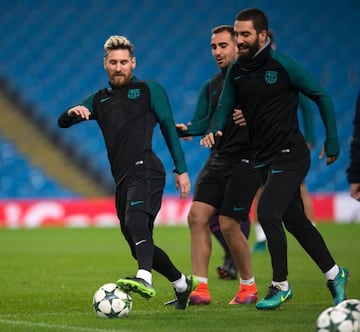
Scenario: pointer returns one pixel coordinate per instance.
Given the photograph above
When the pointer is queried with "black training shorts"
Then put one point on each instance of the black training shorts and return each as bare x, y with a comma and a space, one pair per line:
140, 191
229, 185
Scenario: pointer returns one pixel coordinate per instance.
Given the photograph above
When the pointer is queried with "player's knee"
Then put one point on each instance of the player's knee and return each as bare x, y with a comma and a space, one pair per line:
297, 226
266, 217
197, 218
228, 226
137, 222
225, 229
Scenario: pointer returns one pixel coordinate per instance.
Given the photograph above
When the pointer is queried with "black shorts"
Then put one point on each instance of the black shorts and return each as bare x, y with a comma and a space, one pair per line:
141, 191
228, 185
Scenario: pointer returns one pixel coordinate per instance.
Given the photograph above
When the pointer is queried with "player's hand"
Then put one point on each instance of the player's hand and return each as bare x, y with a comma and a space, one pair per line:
80, 112
182, 184
355, 191
183, 127
209, 140
239, 118
329, 159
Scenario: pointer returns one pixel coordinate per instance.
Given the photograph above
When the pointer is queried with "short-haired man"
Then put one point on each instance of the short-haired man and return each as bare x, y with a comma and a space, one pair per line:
266, 85
127, 111
225, 186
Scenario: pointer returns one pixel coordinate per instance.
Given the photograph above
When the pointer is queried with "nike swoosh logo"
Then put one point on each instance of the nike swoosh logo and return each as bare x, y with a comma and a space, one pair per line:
104, 99
342, 273
275, 171
260, 165
132, 203
235, 208
284, 298
238, 77
139, 242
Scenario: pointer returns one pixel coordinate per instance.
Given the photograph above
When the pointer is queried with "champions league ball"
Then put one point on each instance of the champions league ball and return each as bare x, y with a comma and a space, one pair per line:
337, 319
353, 305
111, 302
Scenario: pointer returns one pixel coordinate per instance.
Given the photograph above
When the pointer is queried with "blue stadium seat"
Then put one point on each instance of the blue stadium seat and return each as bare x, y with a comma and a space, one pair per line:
19, 178
52, 58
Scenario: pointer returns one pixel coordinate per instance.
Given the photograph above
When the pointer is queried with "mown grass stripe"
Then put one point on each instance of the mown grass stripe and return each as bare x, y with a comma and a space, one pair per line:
54, 326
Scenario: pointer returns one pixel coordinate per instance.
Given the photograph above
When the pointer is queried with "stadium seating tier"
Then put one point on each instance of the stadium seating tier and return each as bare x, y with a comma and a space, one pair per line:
51, 58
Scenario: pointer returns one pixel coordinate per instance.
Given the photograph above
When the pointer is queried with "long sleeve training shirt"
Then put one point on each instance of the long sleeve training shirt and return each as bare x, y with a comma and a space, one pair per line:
127, 117
266, 89
235, 142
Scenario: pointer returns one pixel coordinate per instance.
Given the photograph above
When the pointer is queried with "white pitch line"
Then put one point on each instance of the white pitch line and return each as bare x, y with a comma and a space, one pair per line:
54, 326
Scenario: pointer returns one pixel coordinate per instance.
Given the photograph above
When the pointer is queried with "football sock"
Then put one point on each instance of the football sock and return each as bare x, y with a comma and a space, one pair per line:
332, 273
202, 279
248, 282
180, 285
145, 275
284, 285
259, 233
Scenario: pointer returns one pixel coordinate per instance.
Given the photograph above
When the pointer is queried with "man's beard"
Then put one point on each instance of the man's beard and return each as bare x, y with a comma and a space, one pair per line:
251, 51
120, 82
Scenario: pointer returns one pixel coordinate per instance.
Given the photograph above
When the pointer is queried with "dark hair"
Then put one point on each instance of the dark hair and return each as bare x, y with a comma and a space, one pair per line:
271, 36
221, 28
255, 15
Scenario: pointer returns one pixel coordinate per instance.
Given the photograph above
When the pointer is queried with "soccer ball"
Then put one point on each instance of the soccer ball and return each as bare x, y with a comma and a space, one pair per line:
111, 302
336, 319
353, 305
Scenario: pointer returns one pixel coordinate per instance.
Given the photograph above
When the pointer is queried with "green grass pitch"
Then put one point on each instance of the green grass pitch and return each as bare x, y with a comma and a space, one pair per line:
48, 278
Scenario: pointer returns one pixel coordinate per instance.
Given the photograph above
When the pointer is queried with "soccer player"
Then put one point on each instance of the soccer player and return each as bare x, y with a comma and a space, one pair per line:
127, 111
307, 113
265, 84
224, 53
225, 186
353, 171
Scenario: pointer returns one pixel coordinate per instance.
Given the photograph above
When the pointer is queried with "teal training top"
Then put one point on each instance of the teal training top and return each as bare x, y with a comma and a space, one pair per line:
235, 142
307, 116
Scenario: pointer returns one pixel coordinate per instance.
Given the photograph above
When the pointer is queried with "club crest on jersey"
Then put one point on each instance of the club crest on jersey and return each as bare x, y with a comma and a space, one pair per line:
271, 77
133, 93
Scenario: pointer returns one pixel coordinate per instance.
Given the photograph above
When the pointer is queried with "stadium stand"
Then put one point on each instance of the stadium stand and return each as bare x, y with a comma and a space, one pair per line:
33, 164
51, 58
